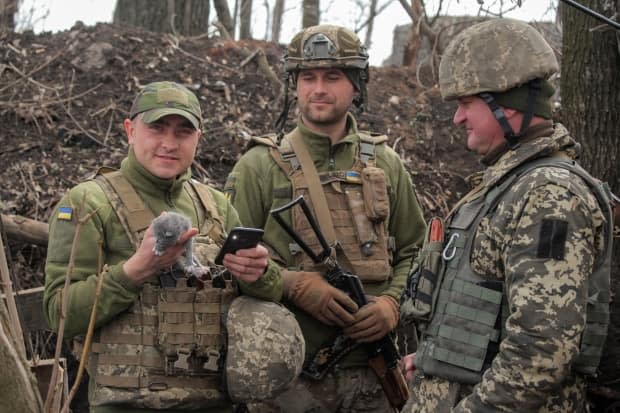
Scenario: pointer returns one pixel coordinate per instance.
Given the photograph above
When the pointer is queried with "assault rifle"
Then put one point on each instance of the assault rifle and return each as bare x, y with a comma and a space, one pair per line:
383, 356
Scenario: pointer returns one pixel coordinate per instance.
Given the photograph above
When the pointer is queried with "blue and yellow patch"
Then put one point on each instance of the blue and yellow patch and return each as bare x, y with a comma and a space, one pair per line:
65, 213
352, 177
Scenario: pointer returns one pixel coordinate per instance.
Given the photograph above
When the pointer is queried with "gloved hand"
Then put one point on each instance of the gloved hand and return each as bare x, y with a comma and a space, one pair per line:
374, 320
310, 292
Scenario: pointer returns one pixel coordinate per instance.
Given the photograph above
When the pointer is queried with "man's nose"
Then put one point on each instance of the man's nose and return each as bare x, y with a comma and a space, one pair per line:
459, 116
169, 139
320, 86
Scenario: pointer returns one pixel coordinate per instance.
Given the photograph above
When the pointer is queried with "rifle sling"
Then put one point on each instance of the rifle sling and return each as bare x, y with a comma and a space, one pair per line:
319, 202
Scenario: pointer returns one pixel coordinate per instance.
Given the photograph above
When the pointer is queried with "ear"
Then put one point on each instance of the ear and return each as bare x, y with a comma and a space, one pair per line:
129, 130
509, 112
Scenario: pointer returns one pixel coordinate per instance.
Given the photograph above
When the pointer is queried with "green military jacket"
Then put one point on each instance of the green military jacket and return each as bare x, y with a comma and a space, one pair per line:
257, 185
545, 285
118, 291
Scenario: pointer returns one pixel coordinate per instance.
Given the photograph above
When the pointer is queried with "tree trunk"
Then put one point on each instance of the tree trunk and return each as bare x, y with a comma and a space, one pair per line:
235, 17
371, 22
591, 111
276, 22
245, 19
184, 17
311, 13
8, 9
223, 15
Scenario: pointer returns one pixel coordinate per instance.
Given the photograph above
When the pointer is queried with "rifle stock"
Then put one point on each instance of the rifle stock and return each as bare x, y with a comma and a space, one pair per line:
383, 356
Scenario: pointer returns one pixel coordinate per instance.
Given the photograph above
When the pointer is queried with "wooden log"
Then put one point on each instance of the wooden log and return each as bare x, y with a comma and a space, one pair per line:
25, 229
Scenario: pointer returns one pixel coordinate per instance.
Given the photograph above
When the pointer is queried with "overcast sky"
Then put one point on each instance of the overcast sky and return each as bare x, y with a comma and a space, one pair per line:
55, 15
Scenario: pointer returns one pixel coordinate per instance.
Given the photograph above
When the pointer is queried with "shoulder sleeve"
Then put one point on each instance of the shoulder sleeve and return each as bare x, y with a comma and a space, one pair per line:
85, 202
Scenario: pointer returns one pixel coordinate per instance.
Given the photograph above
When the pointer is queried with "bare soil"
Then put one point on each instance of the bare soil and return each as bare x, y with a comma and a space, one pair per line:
63, 98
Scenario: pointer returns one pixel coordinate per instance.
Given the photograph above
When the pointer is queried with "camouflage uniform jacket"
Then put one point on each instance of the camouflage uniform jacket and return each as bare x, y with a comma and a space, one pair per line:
257, 185
118, 291
546, 297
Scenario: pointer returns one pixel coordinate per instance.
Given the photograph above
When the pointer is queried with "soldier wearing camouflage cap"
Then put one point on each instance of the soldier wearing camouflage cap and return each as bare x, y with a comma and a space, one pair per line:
377, 221
512, 299
160, 342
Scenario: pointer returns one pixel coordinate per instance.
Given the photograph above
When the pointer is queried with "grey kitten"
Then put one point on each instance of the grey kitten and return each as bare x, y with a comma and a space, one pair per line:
167, 229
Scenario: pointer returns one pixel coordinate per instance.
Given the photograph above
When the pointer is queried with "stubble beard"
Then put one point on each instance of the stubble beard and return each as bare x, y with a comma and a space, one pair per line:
327, 117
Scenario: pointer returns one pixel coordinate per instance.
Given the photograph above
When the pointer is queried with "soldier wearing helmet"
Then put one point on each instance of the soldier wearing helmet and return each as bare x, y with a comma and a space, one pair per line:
369, 198
512, 299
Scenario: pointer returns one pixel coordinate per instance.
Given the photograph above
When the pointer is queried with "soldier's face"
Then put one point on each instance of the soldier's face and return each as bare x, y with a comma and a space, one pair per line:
166, 147
324, 96
483, 131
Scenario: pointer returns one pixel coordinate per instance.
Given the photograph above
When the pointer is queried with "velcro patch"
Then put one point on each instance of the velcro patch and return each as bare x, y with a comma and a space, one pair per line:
552, 239
172, 95
65, 213
283, 192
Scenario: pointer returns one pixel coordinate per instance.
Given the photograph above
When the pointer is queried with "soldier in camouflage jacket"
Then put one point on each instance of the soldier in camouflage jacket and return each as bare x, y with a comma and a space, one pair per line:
518, 323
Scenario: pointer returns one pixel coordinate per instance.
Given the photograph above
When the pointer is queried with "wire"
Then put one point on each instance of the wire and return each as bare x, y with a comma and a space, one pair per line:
592, 13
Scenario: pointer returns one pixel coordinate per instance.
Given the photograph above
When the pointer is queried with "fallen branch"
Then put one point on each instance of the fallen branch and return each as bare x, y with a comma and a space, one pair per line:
35, 70
258, 54
25, 229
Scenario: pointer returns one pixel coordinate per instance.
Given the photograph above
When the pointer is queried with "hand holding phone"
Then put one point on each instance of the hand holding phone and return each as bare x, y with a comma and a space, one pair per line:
239, 238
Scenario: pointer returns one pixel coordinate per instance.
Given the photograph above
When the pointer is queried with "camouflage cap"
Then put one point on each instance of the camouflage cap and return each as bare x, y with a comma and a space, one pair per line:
159, 99
266, 349
325, 46
494, 56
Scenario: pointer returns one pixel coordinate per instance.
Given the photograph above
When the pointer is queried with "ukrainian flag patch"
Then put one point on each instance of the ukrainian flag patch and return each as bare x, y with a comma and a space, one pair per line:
352, 177
65, 213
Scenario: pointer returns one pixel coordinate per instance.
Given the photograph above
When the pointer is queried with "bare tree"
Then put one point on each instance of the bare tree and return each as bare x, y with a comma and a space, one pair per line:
223, 15
276, 22
591, 110
185, 17
310, 13
245, 19
371, 21
420, 27
8, 9
235, 16
268, 19
502, 7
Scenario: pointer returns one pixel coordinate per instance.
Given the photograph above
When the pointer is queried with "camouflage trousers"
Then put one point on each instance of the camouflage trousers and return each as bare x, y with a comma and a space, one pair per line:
433, 395
349, 390
113, 409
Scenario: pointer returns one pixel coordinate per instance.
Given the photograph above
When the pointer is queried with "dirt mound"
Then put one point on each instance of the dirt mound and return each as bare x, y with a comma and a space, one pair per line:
63, 98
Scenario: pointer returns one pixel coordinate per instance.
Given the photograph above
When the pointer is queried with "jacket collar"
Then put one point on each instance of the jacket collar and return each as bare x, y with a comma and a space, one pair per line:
147, 183
540, 142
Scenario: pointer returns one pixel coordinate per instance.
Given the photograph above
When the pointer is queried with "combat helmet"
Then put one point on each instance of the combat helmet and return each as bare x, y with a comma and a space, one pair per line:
266, 349
494, 57
327, 46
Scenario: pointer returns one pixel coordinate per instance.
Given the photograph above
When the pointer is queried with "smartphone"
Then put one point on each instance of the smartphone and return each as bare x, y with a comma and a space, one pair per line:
239, 238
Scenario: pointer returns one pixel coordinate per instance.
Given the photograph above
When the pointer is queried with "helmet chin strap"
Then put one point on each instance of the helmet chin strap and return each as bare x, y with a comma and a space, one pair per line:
281, 121
510, 136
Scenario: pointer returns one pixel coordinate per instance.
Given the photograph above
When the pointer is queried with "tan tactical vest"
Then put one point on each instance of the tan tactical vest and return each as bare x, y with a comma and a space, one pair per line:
358, 204
167, 350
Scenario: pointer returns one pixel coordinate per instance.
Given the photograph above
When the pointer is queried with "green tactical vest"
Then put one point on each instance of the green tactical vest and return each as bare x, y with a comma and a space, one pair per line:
358, 204
465, 317
167, 350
